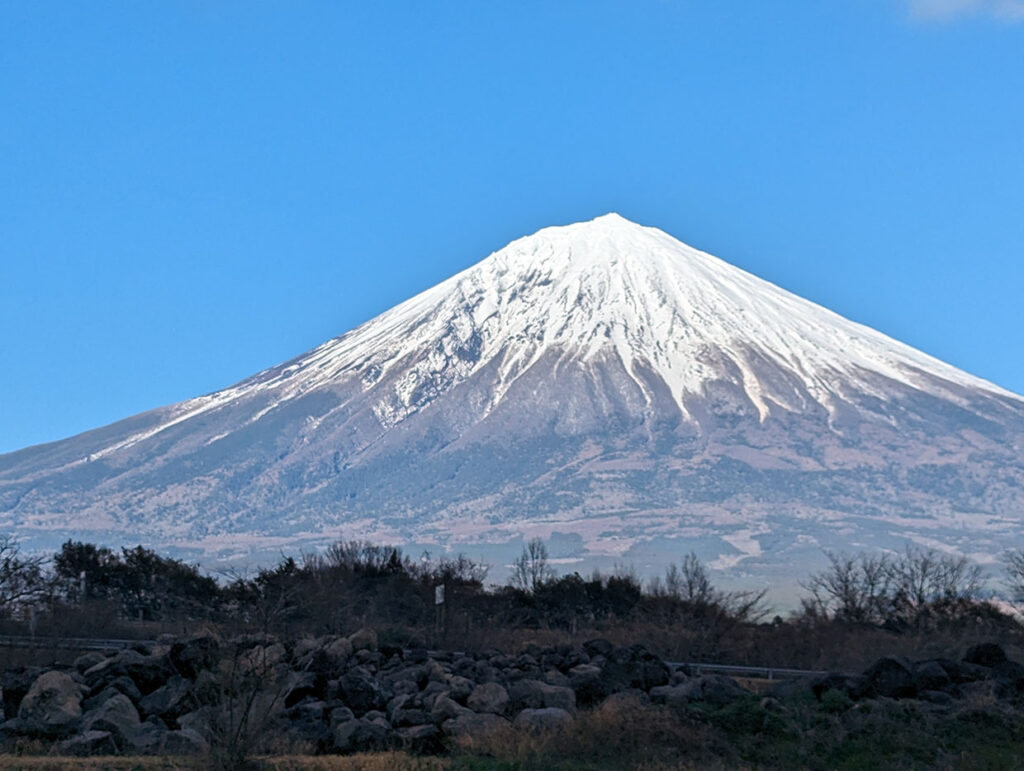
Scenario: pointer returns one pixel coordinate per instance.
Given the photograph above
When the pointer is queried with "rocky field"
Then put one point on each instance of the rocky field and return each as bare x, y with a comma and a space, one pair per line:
225, 701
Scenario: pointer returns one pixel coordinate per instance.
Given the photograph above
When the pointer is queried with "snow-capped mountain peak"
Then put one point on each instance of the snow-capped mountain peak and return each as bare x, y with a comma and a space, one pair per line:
612, 287
601, 382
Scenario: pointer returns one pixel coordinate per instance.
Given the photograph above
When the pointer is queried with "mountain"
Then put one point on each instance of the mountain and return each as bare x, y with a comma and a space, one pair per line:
601, 385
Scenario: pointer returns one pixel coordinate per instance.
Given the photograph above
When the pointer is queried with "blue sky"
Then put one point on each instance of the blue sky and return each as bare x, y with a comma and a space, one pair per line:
191, 191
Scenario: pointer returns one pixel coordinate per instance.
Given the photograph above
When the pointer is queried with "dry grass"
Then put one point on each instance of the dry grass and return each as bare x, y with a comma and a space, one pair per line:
378, 761
758, 685
624, 734
44, 763
381, 761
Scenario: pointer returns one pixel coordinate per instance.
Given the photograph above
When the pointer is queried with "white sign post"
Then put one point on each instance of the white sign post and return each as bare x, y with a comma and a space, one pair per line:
439, 607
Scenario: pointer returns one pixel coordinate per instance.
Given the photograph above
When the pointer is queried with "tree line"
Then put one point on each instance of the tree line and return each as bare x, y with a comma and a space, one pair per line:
353, 584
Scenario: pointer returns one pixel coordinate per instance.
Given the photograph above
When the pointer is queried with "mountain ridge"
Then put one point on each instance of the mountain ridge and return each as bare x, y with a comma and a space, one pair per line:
634, 371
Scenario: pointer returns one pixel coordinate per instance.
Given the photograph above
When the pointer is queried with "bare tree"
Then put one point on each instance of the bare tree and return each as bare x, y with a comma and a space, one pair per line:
853, 588
22, 579
1014, 560
458, 569
690, 582
362, 557
866, 588
531, 570
923, 576
246, 717
694, 582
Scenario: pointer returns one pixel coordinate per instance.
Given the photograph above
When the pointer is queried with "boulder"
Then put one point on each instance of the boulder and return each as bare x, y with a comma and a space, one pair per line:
364, 639
405, 718
340, 715
306, 728
420, 739
716, 690
14, 684
670, 695
854, 687
303, 685
170, 700
446, 708
304, 649
194, 654
94, 702
554, 677
634, 667
88, 743
310, 711
13, 727
435, 672
367, 658
197, 720
573, 658
147, 740
955, 669
88, 660
127, 686
417, 655
985, 655
935, 697
399, 702
404, 687
551, 660
489, 697
930, 676
891, 676
117, 716
147, 672
598, 647
207, 688
536, 694
187, 741
464, 666
474, 725
588, 685
261, 659
1011, 673
53, 705
544, 720
968, 673
429, 694
111, 667
393, 654
460, 687
338, 651
319, 663
362, 691
361, 735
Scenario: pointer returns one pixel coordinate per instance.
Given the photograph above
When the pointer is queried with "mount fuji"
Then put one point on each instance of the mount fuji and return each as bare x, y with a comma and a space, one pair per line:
600, 385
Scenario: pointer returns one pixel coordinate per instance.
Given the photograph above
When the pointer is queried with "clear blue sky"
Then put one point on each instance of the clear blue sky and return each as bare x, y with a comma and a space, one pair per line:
191, 191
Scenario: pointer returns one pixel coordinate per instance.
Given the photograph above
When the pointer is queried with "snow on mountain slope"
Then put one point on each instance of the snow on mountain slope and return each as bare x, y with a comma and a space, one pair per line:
602, 381
589, 286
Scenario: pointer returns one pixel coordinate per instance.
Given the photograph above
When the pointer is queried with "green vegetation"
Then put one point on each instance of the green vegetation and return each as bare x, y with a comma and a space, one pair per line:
782, 734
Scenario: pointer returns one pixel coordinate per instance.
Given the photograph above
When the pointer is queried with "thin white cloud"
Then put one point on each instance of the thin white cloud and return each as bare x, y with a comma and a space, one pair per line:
945, 10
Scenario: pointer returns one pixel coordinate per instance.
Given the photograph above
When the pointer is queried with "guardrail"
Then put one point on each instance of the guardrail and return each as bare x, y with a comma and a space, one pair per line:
768, 673
697, 667
69, 643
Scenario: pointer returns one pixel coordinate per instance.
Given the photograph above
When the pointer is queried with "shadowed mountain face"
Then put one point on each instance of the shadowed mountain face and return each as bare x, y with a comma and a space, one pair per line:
600, 384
